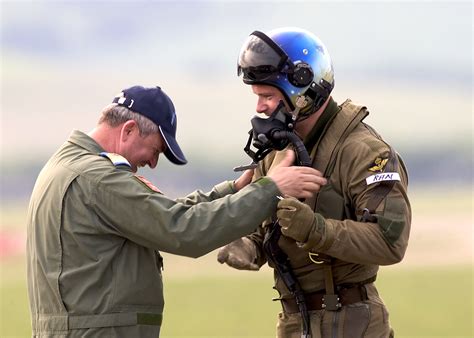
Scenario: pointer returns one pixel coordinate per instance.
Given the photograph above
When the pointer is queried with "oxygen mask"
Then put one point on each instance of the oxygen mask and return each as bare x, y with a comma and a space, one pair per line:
272, 133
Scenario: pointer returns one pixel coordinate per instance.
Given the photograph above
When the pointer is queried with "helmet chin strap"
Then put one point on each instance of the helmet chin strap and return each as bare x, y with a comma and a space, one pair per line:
301, 102
316, 95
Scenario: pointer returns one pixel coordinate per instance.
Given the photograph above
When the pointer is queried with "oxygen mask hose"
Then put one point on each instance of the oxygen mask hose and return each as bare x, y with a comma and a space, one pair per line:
301, 152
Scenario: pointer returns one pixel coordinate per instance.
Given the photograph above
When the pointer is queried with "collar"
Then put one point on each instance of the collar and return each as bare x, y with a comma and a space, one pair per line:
316, 133
83, 140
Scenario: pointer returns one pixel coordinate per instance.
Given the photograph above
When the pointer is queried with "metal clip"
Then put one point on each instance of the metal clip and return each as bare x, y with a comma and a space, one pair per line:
252, 165
368, 217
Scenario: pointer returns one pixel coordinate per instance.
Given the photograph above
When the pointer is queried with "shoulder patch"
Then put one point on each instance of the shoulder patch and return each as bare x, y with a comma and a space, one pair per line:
378, 165
148, 183
382, 177
116, 159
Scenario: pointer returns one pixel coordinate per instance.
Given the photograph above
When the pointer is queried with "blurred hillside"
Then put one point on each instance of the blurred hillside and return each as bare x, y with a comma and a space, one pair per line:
61, 62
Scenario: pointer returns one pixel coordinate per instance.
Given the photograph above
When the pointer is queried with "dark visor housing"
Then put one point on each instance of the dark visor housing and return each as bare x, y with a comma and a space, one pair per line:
261, 58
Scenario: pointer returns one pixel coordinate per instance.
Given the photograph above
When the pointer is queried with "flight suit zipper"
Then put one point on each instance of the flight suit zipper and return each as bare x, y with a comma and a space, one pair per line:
335, 322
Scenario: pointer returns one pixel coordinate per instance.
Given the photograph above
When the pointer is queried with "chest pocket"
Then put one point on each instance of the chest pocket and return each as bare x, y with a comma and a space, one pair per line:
330, 203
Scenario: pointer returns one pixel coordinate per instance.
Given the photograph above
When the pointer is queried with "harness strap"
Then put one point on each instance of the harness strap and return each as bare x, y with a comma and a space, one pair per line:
337, 131
328, 279
334, 135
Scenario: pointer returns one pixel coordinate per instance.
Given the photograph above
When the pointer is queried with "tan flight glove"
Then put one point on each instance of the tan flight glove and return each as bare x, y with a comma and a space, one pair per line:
299, 222
240, 254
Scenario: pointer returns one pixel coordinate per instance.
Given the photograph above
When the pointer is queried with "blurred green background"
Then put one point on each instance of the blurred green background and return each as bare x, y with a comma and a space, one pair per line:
409, 62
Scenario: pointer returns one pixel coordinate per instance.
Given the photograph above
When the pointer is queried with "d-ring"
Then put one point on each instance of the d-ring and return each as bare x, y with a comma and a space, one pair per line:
311, 255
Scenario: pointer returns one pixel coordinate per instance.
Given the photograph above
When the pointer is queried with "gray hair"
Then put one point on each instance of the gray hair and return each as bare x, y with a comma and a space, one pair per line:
114, 115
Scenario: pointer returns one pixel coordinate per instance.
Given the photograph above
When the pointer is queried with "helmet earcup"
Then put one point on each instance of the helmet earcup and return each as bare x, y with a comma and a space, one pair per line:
302, 75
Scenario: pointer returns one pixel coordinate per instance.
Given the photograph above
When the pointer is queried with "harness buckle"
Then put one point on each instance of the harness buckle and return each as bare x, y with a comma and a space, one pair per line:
331, 303
367, 216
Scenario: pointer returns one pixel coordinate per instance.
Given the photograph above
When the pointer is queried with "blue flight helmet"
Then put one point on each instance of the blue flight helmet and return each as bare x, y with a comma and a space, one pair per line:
293, 60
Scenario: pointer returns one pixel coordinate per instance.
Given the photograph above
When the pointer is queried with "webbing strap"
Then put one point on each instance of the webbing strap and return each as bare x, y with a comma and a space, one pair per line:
342, 125
328, 279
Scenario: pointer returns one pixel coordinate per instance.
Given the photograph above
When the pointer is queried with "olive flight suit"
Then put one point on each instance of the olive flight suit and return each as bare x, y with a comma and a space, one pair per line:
367, 223
94, 231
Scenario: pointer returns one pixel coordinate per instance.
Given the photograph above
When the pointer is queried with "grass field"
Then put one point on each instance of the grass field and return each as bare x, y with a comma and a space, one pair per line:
430, 294
434, 302
429, 303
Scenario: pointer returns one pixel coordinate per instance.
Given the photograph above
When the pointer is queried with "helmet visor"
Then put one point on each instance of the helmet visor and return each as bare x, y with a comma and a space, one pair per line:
260, 58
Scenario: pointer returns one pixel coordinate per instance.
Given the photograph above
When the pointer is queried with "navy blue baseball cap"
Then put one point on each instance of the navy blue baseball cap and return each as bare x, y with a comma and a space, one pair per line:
154, 104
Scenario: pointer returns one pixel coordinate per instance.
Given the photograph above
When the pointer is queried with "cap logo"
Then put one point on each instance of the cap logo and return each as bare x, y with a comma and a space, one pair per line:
121, 100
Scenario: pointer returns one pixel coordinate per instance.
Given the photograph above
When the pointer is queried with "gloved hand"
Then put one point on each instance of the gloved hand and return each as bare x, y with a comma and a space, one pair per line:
299, 222
241, 254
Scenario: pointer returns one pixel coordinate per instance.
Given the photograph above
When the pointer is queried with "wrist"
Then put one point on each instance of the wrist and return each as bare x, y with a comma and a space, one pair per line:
224, 188
316, 233
234, 186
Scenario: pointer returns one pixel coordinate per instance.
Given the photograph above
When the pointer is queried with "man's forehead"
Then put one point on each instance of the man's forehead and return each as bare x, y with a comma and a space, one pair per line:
265, 90
155, 139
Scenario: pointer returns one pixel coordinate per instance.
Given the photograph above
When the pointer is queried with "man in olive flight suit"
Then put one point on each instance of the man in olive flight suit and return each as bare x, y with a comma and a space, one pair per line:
336, 240
95, 228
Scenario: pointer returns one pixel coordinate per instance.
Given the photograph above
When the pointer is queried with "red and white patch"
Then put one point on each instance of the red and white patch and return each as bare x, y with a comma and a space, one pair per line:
148, 184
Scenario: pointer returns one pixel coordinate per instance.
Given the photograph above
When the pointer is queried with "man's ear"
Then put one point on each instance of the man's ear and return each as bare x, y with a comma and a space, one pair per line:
129, 128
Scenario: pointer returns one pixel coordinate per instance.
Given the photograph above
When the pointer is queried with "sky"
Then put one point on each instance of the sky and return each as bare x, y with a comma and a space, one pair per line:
409, 62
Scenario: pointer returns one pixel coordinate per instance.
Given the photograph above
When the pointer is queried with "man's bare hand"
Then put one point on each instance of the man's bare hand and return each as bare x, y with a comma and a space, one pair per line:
244, 179
294, 181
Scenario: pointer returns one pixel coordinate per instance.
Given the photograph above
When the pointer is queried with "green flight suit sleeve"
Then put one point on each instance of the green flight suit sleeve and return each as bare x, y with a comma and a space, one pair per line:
220, 190
193, 227
382, 241
258, 235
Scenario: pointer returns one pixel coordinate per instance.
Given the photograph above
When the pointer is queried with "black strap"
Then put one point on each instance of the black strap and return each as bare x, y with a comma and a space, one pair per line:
283, 56
281, 264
